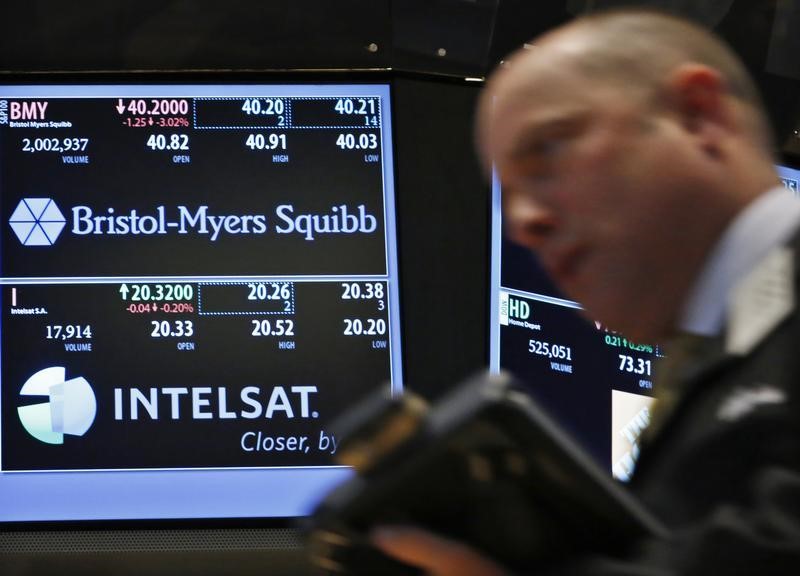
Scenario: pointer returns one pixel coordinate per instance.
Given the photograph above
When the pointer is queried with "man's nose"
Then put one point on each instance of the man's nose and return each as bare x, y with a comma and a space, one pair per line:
528, 222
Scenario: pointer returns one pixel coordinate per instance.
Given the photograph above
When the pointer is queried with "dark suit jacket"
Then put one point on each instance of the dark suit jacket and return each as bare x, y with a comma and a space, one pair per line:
723, 469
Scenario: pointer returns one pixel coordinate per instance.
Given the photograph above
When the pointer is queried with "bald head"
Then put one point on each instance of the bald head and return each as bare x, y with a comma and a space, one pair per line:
634, 51
642, 46
626, 143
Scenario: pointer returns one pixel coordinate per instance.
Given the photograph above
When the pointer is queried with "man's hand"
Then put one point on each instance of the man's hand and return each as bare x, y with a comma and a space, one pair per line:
436, 555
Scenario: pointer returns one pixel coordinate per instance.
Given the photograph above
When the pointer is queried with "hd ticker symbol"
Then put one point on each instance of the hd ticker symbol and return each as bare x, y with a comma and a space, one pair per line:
37, 221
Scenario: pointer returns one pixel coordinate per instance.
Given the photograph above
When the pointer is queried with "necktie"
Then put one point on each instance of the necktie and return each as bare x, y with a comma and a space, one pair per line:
684, 355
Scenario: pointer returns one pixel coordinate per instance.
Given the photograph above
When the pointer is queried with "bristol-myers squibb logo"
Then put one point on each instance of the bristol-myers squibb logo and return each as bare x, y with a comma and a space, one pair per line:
70, 408
37, 221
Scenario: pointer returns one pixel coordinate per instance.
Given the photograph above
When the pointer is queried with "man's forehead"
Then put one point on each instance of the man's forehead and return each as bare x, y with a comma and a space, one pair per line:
539, 72
540, 97
516, 137
539, 89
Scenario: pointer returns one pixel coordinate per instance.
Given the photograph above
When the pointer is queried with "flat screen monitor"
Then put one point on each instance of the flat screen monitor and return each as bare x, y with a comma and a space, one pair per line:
196, 280
599, 384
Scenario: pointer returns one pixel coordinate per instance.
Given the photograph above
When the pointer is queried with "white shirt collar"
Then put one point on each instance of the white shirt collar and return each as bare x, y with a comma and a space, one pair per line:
767, 222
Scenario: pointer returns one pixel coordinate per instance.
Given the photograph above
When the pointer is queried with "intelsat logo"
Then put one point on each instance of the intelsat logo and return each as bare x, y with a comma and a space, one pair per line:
37, 221
70, 409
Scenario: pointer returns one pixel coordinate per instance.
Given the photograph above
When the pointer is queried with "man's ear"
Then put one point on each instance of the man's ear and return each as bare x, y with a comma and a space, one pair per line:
698, 95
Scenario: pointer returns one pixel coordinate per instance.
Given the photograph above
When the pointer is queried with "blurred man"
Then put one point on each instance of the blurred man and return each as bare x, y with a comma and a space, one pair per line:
636, 162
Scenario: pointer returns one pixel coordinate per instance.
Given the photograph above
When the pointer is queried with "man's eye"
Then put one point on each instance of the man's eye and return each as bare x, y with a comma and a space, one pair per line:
540, 160
538, 176
549, 148
540, 154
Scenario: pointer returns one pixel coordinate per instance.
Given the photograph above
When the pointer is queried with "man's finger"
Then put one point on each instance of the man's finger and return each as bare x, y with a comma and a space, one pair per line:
436, 555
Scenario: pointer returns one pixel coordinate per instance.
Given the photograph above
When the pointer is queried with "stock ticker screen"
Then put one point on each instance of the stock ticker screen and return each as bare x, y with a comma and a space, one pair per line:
597, 383
196, 280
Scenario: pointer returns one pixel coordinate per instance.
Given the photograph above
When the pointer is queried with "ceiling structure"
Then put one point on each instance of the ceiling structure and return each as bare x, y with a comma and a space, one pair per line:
437, 38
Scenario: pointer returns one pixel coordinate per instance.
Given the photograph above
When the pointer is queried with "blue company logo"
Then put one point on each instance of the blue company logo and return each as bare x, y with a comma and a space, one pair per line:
70, 410
37, 221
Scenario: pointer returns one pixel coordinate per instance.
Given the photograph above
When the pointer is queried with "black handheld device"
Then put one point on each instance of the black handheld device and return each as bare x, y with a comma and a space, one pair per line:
485, 466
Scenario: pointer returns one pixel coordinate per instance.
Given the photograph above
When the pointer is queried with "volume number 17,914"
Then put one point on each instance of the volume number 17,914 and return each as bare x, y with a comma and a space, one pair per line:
69, 331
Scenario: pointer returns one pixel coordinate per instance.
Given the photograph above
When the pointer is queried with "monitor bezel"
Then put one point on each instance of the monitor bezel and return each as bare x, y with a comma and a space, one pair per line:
327, 77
